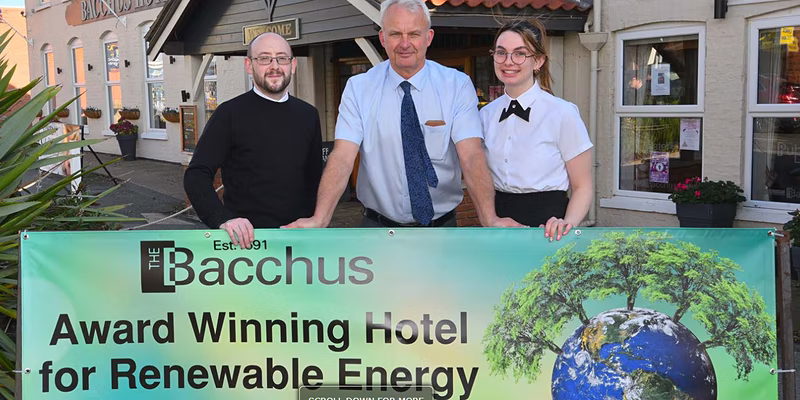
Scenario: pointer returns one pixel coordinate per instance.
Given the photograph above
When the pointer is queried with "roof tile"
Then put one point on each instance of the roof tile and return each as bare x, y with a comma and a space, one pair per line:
551, 4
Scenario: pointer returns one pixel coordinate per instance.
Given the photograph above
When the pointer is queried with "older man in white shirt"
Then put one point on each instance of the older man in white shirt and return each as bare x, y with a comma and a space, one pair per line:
413, 120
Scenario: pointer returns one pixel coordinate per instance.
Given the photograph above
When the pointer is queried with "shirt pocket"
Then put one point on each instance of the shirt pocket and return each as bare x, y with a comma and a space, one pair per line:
437, 141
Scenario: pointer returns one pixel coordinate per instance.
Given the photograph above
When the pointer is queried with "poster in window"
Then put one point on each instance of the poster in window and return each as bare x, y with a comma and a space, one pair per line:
787, 35
659, 80
659, 167
690, 134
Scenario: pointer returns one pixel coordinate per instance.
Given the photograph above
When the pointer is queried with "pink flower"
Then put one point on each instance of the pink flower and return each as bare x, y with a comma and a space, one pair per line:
697, 179
697, 193
688, 180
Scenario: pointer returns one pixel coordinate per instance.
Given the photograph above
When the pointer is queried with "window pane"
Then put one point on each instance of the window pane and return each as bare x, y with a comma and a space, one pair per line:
778, 66
156, 100
776, 160
112, 62
211, 98
77, 66
51, 68
212, 68
80, 105
114, 102
155, 69
657, 153
660, 71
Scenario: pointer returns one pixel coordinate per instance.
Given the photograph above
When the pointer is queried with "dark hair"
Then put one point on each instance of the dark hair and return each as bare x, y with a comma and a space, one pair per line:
535, 38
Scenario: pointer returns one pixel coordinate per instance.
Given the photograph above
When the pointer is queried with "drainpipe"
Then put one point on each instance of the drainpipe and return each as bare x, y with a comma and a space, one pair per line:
594, 41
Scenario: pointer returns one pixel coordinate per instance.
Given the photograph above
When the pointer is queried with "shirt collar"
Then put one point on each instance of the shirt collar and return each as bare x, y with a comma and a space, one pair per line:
283, 99
417, 81
529, 97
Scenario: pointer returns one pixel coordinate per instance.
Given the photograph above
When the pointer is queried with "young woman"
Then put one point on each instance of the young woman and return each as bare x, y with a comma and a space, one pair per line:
537, 146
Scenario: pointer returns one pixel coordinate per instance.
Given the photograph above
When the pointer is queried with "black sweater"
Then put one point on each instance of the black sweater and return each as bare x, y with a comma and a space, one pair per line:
271, 159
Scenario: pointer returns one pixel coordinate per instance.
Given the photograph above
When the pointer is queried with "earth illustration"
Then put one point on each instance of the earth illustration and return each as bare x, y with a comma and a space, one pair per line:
639, 354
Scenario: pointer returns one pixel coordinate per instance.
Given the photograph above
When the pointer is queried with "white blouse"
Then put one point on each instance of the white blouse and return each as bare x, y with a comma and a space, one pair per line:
531, 156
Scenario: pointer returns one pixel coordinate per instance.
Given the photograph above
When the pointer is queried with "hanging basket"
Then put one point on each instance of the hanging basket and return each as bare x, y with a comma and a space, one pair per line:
129, 115
63, 113
171, 117
93, 114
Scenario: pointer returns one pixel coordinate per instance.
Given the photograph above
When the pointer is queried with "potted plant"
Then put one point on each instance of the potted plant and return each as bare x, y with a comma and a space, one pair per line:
705, 203
171, 114
92, 112
63, 113
127, 133
793, 227
129, 113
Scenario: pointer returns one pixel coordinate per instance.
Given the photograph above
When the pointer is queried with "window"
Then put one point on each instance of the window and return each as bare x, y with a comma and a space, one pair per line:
154, 75
113, 91
49, 64
79, 83
773, 118
210, 88
659, 110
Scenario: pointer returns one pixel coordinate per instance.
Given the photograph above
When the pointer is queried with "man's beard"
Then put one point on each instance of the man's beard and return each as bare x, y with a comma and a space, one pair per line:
266, 87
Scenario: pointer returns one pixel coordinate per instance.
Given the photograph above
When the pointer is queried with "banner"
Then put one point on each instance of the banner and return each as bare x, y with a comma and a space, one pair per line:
472, 313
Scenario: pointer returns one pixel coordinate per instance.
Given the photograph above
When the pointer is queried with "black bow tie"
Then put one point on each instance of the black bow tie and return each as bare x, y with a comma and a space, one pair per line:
516, 109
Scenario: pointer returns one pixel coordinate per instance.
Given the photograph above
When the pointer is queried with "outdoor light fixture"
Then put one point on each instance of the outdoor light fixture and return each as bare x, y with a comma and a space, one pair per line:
184, 96
58, 70
89, 67
171, 60
127, 63
720, 8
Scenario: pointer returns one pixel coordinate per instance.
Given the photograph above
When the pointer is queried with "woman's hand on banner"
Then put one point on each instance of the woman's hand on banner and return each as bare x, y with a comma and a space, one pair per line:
556, 228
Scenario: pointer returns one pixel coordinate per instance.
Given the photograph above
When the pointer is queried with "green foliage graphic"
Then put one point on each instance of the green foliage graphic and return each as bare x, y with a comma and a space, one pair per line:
531, 316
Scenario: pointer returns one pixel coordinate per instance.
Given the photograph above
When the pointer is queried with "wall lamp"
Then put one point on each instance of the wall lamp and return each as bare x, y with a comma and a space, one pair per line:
89, 67
127, 63
184, 96
171, 60
720, 8
58, 70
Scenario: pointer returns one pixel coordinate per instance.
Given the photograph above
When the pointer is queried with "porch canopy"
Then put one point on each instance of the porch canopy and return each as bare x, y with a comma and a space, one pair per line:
223, 27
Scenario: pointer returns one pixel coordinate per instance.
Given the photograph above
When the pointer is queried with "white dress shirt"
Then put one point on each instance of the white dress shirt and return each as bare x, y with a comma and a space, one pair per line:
369, 115
531, 156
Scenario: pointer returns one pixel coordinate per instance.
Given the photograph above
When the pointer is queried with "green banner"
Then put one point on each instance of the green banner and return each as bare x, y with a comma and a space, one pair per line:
472, 313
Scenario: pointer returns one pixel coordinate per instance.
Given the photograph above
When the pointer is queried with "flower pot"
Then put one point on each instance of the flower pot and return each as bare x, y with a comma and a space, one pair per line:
171, 117
63, 113
127, 146
706, 215
129, 115
93, 114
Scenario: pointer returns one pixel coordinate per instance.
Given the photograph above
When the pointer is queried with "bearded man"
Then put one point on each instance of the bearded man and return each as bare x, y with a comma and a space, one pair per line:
268, 146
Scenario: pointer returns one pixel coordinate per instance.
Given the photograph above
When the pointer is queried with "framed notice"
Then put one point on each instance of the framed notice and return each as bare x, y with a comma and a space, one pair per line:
188, 128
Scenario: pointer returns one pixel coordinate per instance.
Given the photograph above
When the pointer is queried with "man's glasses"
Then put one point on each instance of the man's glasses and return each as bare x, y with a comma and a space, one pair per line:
517, 57
267, 60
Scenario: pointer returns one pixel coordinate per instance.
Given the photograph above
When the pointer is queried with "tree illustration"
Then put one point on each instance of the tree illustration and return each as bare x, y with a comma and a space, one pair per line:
680, 274
735, 318
620, 262
531, 317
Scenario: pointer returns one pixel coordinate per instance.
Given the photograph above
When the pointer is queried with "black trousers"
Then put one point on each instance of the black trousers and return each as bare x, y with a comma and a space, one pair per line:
532, 209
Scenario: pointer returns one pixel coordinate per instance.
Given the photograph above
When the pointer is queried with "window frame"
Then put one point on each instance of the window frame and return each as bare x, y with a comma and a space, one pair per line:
78, 44
150, 132
50, 105
107, 84
659, 111
211, 78
762, 210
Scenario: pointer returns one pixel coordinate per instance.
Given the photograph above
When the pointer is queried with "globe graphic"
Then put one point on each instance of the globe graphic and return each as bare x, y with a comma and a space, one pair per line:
638, 354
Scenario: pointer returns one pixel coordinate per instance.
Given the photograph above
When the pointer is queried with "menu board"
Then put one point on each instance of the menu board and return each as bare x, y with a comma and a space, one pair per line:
188, 128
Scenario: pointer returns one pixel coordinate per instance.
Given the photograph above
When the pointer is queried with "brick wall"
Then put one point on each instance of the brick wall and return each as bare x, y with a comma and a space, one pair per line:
466, 215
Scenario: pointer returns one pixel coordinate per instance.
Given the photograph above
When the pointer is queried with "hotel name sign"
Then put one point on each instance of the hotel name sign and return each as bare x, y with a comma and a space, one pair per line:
86, 11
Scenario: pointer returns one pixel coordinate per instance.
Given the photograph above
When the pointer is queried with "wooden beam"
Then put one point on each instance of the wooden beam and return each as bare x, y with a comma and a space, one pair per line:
199, 78
168, 30
369, 50
784, 310
367, 9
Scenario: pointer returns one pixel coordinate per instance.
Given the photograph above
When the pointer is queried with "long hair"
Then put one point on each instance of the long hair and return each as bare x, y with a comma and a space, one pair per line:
535, 39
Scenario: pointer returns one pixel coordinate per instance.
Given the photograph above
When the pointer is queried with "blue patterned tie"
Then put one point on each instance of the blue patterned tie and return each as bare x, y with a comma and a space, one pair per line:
419, 170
